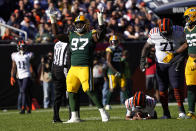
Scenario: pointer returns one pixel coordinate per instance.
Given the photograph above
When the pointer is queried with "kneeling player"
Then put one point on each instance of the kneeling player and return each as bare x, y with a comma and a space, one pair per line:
140, 107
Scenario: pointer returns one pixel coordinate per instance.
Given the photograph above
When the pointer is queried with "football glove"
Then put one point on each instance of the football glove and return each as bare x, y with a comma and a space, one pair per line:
12, 81
142, 64
168, 57
193, 65
118, 74
100, 16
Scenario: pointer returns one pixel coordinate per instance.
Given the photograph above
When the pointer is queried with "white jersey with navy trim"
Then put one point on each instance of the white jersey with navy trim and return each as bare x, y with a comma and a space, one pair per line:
60, 53
22, 63
163, 44
150, 105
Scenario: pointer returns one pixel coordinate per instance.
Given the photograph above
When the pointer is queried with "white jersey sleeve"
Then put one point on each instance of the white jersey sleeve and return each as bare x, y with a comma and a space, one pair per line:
13, 56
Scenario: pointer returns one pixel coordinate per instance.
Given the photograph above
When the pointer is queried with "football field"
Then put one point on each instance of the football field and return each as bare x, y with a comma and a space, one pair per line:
41, 120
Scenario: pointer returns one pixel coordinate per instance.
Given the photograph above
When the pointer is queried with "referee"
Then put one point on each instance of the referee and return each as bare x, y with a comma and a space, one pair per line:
61, 65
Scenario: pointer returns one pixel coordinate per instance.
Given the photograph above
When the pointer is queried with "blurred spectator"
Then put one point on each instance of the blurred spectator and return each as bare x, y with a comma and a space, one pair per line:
21, 8
113, 25
122, 25
29, 27
36, 17
7, 35
109, 7
12, 20
117, 14
43, 36
56, 10
27, 5
130, 34
37, 8
48, 28
46, 78
2, 29
89, 15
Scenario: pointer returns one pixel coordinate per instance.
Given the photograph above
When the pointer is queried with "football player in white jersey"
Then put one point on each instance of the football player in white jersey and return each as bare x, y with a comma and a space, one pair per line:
140, 106
167, 40
21, 64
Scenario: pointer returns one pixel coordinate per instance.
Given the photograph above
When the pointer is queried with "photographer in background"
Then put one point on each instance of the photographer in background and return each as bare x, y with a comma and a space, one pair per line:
46, 78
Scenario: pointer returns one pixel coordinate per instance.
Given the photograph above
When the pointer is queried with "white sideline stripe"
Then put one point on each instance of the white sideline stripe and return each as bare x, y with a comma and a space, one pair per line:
99, 118
6, 112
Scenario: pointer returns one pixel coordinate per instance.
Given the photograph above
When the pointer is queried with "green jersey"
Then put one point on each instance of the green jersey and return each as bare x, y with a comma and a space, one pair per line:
191, 39
82, 47
116, 54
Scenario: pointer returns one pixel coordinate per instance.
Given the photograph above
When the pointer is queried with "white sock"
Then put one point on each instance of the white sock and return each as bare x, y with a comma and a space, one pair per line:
101, 110
74, 114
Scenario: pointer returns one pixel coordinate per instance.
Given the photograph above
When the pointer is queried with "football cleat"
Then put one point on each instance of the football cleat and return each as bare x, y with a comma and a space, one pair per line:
181, 116
57, 121
104, 116
190, 116
22, 112
108, 107
73, 120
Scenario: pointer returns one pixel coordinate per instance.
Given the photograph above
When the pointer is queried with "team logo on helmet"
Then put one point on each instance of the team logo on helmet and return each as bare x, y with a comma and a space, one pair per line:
190, 15
165, 26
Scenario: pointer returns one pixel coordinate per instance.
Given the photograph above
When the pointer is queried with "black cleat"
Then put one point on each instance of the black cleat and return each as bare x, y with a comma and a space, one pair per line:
29, 112
57, 121
22, 112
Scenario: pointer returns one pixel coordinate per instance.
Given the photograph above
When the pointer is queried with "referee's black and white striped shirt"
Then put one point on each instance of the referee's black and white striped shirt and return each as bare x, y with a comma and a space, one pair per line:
61, 54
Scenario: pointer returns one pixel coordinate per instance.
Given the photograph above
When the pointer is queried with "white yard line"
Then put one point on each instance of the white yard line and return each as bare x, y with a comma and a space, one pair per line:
7, 112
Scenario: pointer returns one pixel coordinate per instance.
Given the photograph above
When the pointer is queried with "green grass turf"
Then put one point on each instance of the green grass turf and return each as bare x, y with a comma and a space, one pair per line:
41, 120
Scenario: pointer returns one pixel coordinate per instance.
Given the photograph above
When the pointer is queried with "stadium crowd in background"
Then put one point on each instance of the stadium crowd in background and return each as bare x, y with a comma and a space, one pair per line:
129, 17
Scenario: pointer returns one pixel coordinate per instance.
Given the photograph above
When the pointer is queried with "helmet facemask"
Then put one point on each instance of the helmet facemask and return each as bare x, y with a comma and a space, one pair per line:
114, 43
80, 26
21, 47
190, 16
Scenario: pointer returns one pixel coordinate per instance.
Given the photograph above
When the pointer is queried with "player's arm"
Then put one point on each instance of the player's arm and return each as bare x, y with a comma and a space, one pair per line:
144, 53
13, 72
182, 48
100, 32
